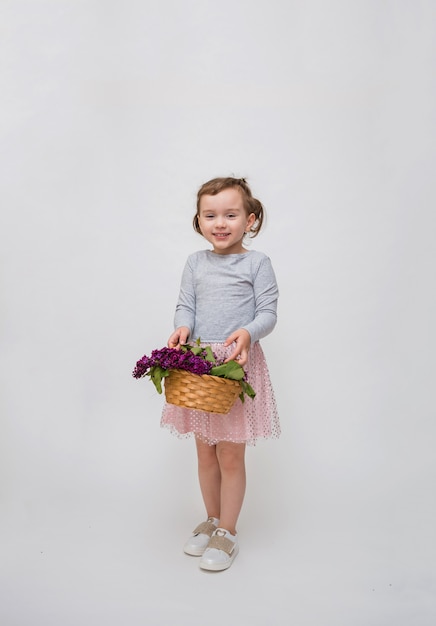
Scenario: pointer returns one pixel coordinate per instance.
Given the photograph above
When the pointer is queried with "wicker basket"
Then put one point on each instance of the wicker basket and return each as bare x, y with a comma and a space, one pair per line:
201, 392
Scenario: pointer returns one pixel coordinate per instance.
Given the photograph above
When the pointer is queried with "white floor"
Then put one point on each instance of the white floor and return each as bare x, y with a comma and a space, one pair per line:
114, 557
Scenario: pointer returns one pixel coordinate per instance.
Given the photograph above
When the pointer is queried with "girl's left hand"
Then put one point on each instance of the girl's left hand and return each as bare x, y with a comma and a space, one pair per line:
242, 339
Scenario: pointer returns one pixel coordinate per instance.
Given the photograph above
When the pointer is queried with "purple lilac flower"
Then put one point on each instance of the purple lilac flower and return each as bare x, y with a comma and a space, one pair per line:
170, 358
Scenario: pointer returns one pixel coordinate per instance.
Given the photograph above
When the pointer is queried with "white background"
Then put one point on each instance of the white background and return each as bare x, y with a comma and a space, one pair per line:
112, 115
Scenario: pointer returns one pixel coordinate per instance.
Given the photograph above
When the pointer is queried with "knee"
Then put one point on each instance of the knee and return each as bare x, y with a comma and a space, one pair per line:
207, 457
230, 456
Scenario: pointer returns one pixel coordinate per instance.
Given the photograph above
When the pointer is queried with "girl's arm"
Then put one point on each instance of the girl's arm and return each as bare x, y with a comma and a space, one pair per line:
265, 292
184, 318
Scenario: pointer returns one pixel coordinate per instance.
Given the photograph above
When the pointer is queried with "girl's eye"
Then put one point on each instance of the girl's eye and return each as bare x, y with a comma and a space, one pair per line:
231, 215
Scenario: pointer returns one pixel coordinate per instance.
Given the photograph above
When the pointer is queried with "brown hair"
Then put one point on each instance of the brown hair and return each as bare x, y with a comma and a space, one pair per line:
251, 204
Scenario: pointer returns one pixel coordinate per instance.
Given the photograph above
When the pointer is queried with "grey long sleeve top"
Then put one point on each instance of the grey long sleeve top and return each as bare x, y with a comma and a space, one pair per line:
220, 293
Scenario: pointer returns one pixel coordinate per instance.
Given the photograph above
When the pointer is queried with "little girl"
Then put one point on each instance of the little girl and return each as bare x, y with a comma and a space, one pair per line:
228, 299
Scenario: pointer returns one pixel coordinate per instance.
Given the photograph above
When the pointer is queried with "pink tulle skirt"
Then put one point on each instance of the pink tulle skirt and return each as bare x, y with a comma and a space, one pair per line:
246, 422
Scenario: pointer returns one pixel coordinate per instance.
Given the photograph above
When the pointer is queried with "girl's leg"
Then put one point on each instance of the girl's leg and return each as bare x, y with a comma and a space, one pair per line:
209, 475
231, 460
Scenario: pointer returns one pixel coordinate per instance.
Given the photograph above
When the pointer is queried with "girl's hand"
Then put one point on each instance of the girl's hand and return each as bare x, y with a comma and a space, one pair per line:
179, 337
242, 339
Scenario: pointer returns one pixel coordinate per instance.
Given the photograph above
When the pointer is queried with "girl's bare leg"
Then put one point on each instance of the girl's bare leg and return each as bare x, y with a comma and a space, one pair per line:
231, 460
209, 475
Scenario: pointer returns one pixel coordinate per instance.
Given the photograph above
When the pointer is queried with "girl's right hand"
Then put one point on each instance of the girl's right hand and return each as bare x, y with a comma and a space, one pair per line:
179, 337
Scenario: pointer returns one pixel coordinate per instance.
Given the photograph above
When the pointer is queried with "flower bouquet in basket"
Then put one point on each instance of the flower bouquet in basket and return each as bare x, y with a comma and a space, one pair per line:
194, 378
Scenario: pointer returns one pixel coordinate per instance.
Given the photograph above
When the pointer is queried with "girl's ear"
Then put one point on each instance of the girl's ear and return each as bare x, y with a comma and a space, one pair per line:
250, 221
197, 224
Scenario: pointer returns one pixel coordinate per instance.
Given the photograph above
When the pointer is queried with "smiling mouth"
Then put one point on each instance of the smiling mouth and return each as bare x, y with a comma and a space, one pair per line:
221, 235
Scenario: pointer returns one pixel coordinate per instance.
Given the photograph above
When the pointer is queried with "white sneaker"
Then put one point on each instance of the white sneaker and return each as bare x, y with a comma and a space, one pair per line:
220, 552
196, 544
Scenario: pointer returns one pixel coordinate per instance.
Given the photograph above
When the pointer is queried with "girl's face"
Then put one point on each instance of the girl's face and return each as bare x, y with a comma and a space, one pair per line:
223, 221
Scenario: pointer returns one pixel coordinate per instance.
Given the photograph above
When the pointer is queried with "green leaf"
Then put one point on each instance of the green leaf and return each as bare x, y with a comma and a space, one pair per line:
247, 389
231, 370
209, 354
156, 374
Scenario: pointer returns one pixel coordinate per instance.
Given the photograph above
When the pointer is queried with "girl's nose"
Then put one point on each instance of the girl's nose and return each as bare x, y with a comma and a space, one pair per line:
221, 221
